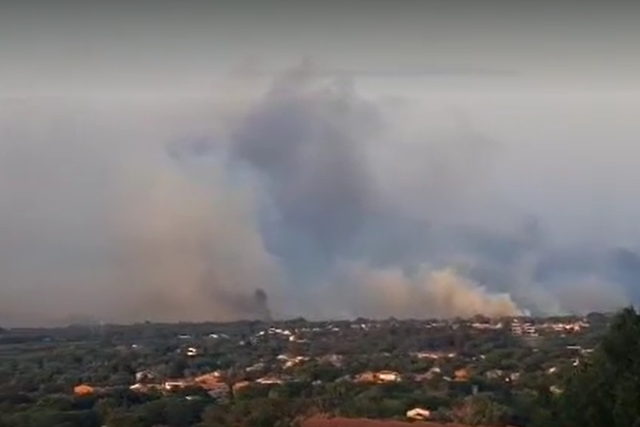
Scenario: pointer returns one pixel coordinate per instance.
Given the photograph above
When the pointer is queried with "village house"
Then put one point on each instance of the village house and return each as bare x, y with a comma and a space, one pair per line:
519, 328
256, 367
513, 377
268, 380
435, 355
378, 377
433, 373
461, 375
146, 388
566, 327
555, 389
218, 335
494, 374
487, 325
83, 390
333, 359
175, 384
214, 384
290, 362
209, 381
388, 376
418, 414
144, 376
365, 377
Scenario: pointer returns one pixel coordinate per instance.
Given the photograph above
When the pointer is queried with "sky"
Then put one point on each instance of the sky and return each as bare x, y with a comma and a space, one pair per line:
407, 159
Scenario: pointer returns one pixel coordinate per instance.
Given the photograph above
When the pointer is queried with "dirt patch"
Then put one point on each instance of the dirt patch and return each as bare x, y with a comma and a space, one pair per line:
363, 422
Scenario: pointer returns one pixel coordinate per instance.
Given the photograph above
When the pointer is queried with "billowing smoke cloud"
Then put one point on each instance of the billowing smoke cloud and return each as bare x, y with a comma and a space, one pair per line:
306, 142
435, 293
99, 222
261, 304
111, 209
192, 252
346, 178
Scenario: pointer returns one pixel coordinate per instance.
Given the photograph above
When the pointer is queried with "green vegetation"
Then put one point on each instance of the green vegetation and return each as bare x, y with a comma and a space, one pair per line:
566, 372
606, 389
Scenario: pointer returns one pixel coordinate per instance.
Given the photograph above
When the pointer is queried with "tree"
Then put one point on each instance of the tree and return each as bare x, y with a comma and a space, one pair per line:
480, 410
606, 389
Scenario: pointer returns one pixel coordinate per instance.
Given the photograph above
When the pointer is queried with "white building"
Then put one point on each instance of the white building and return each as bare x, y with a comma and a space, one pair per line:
388, 376
418, 414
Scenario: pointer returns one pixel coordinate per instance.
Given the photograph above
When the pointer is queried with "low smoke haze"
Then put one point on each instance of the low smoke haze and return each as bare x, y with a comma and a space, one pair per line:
323, 188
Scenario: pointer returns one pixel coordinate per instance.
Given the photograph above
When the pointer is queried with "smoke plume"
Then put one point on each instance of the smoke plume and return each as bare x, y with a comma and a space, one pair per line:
132, 210
262, 305
436, 293
98, 221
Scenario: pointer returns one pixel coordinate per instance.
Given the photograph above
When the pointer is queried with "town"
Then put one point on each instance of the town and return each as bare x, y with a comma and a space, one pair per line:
468, 371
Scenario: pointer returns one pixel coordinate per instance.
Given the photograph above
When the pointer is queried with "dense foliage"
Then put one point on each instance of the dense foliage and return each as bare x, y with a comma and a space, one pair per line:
605, 391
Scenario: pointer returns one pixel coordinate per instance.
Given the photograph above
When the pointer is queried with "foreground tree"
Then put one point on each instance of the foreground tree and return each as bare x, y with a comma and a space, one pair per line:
605, 391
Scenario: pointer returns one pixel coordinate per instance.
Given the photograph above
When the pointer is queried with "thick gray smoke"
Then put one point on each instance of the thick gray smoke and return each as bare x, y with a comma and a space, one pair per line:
99, 222
261, 305
428, 293
346, 179
301, 198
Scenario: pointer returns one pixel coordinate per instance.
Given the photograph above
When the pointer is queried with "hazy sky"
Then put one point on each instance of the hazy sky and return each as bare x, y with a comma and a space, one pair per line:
92, 94
176, 47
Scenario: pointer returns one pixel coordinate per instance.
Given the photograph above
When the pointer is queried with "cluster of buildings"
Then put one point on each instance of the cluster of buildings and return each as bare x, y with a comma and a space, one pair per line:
218, 385
530, 329
213, 383
524, 327
518, 326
